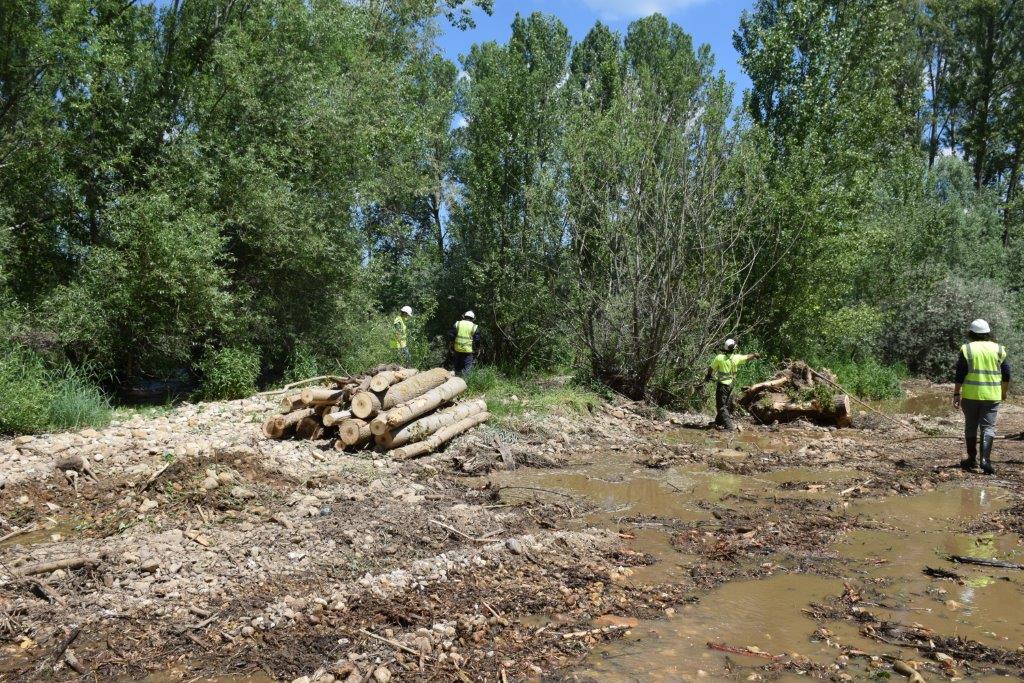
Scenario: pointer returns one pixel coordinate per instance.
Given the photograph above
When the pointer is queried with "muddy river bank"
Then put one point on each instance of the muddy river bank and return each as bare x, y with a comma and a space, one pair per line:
624, 545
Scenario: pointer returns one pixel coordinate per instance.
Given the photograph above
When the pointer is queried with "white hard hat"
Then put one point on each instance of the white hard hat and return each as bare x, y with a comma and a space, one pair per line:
469, 314
979, 326
730, 343
407, 310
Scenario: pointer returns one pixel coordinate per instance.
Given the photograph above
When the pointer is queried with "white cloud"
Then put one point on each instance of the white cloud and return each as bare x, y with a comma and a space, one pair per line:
611, 10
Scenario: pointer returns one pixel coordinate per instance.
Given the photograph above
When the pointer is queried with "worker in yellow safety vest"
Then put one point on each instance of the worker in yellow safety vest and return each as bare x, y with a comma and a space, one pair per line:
465, 338
981, 382
400, 334
723, 370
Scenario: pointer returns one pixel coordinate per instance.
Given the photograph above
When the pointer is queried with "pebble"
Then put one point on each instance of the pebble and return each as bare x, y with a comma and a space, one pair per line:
382, 674
210, 483
242, 492
147, 505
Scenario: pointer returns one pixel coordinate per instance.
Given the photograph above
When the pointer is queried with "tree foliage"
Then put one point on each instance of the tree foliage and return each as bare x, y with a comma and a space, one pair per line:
195, 184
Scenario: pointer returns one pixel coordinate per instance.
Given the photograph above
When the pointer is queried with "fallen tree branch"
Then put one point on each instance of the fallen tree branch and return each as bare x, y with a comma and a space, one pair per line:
461, 533
393, 643
982, 562
722, 647
67, 563
18, 532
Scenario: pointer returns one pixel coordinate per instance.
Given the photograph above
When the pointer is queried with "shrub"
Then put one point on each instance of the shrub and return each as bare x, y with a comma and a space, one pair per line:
483, 379
870, 379
23, 393
928, 326
229, 373
76, 401
303, 365
35, 398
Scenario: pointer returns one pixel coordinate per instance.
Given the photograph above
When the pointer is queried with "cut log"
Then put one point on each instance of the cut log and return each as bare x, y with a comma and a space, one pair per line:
352, 432
365, 405
382, 380
292, 402
284, 424
317, 396
332, 419
421, 405
425, 426
418, 384
309, 428
439, 438
271, 430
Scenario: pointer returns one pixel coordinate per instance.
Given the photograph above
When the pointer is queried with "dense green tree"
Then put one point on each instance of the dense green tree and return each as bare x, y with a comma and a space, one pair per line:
507, 229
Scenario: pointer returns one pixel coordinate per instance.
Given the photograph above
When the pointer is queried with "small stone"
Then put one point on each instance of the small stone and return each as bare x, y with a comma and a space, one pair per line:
147, 505
242, 492
150, 566
381, 674
515, 546
210, 483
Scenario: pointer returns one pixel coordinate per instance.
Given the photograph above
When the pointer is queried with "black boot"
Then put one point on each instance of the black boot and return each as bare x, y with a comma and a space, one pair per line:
986, 455
968, 463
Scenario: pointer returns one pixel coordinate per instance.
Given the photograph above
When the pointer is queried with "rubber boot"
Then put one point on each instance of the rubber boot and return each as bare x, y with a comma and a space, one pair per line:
986, 455
968, 463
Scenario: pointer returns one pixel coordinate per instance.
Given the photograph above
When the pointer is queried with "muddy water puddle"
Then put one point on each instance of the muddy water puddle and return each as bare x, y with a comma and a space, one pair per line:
986, 605
907, 534
763, 614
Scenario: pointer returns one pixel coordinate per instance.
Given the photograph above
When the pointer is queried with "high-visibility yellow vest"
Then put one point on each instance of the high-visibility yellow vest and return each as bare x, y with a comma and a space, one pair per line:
401, 336
984, 374
464, 331
725, 366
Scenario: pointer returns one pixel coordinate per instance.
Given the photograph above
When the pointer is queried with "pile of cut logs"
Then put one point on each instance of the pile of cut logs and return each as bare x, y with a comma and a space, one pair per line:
403, 411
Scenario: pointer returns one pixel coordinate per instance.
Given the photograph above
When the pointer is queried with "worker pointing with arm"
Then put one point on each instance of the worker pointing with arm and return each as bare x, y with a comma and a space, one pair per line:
723, 370
981, 383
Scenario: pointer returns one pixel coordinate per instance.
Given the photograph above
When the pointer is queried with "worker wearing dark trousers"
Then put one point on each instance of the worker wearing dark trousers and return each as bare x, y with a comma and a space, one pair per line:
981, 382
723, 370
465, 338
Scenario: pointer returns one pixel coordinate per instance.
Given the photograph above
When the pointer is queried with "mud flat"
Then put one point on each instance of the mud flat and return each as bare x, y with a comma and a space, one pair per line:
621, 546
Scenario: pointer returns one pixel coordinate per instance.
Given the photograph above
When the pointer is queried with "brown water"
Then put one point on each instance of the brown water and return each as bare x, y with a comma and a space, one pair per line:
913, 532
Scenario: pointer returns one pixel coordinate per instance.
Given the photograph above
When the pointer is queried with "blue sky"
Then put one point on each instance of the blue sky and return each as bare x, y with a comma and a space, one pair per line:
708, 21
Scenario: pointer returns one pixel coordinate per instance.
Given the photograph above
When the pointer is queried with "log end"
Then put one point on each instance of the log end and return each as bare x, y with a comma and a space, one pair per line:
378, 425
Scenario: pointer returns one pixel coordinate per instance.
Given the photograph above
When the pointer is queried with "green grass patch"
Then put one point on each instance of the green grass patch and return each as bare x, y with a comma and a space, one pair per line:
37, 398
514, 396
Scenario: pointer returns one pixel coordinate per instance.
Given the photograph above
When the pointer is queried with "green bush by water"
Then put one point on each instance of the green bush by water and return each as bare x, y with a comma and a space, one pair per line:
870, 379
229, 373
35, 398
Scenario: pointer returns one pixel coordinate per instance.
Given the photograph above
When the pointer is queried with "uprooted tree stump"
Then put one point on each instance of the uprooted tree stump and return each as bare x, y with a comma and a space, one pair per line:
798, 392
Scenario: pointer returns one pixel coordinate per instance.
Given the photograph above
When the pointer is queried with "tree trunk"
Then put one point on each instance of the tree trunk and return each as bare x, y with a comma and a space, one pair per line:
439, 438
317, 396
332, 419
418, 384
425, 426
382, 380
365, 405
354, 432
420, 405
309, 428
286, 423
290, 403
